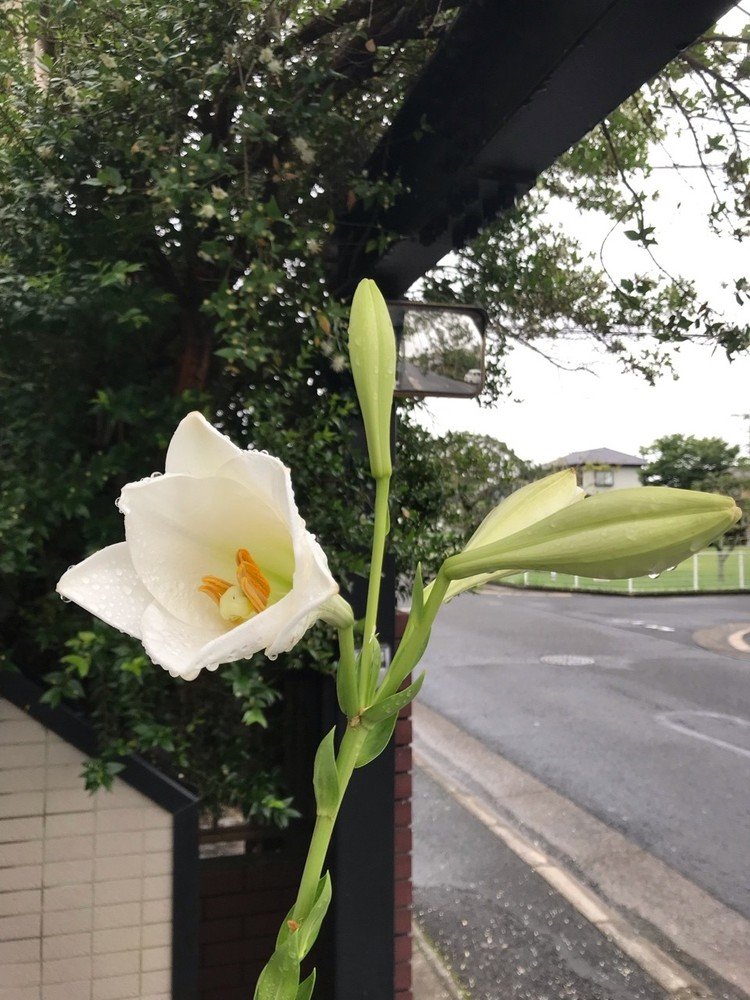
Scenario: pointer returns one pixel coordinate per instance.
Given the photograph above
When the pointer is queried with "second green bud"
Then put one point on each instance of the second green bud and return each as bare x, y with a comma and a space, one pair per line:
372, 354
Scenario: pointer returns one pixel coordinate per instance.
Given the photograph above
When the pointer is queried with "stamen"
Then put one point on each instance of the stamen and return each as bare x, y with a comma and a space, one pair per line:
215, 587
253, 584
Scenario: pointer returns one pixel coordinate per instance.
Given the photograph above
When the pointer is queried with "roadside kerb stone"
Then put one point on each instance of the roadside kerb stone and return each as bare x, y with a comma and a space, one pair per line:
624, 875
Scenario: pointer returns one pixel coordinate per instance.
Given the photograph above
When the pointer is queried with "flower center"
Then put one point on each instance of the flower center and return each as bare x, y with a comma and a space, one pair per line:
248, 597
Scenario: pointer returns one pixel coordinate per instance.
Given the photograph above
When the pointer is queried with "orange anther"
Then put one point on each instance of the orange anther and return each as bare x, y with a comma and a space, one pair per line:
253, 584
214, 586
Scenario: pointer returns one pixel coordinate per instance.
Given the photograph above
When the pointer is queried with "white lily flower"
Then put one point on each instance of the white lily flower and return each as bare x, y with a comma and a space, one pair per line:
217, 563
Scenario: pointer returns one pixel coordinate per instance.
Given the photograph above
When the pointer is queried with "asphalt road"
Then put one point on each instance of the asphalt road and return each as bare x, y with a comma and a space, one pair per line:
652, 736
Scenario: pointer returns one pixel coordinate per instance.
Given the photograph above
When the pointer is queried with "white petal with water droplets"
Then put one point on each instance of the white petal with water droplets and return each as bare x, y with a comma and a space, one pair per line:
107, 585
197, 448
180, 529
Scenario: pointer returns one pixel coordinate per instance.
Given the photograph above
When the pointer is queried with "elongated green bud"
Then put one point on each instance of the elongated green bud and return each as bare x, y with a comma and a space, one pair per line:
372, 353
612, 536
521, 509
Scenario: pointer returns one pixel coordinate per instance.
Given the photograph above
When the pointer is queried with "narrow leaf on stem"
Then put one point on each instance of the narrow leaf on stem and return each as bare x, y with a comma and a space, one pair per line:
280, 978
310, 926
394, 703
377, 739
306, 988
325, 776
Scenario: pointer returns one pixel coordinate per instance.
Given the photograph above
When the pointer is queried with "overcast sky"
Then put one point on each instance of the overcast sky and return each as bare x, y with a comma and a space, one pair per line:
558, 412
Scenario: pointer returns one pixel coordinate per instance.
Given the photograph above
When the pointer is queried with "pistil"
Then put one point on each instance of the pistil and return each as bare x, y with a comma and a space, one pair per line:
237, 603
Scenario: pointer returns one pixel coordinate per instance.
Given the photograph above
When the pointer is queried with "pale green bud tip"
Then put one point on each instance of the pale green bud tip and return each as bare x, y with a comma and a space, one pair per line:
337, 612
611, 536
372, 355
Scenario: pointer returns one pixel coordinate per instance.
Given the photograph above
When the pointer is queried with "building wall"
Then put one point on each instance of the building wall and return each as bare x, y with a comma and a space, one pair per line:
85, 880
625, 477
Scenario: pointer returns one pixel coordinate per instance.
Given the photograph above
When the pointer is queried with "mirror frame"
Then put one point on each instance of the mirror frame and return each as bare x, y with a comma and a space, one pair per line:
397, 309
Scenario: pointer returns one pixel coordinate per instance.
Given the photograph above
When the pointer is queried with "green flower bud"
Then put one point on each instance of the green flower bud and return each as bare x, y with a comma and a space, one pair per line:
521, 509
372, 354
337, 612
611, 536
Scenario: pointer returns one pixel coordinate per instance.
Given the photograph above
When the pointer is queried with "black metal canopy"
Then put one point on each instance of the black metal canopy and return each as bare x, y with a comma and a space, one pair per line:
514, 84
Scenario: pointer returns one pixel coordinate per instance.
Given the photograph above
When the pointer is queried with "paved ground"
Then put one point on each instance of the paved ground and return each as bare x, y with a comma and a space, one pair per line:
504, 932
652, 736
586, 833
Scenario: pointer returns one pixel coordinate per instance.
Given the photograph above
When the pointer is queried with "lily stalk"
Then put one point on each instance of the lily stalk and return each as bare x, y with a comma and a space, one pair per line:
372, 354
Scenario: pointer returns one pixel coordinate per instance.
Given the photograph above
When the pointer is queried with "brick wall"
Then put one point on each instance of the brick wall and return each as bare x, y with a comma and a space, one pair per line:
243, 901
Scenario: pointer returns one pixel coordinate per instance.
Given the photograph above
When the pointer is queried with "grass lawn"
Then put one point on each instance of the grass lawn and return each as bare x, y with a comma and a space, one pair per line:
704, 566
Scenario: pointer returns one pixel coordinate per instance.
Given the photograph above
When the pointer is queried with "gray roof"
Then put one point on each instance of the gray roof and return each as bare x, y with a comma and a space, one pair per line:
598, 456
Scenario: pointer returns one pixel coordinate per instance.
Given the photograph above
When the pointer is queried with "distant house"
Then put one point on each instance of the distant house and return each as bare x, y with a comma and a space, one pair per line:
602, 469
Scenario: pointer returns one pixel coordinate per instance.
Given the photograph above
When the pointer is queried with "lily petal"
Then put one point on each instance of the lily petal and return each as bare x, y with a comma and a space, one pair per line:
266, 478
197, 448
176, 646
107, 585
313, 585
180, 529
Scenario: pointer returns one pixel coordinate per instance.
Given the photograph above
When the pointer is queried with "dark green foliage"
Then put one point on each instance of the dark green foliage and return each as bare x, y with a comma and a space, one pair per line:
685, 461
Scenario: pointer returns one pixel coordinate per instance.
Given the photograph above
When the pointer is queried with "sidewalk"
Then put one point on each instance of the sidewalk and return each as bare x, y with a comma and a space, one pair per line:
661, 924
430, 979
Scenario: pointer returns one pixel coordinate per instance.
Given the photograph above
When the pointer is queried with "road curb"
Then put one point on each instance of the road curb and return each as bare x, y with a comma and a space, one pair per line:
434, 982
644, 900
673, 978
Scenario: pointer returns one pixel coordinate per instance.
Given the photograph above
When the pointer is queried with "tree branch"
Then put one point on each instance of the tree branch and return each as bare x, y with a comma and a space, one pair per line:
699, 66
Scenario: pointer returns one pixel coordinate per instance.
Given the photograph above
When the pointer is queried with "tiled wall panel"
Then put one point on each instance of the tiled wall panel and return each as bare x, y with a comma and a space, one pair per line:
85, 880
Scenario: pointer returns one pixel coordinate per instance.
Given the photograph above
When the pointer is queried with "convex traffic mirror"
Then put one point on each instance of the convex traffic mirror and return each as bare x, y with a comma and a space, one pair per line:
440, 349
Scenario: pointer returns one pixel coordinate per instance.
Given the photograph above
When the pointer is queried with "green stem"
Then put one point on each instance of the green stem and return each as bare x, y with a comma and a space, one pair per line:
349, 750
380, 530
347, 655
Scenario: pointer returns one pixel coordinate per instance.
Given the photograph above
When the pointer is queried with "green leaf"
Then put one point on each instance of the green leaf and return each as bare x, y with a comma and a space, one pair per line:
310, 925
306, 988
325, 776
81, 663
384, 709
370, 660
284, 930
417, 594
280, 978
377, 739
109, 177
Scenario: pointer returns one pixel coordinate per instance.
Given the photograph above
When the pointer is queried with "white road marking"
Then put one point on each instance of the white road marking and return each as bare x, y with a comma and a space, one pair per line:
737, 640
671, 721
